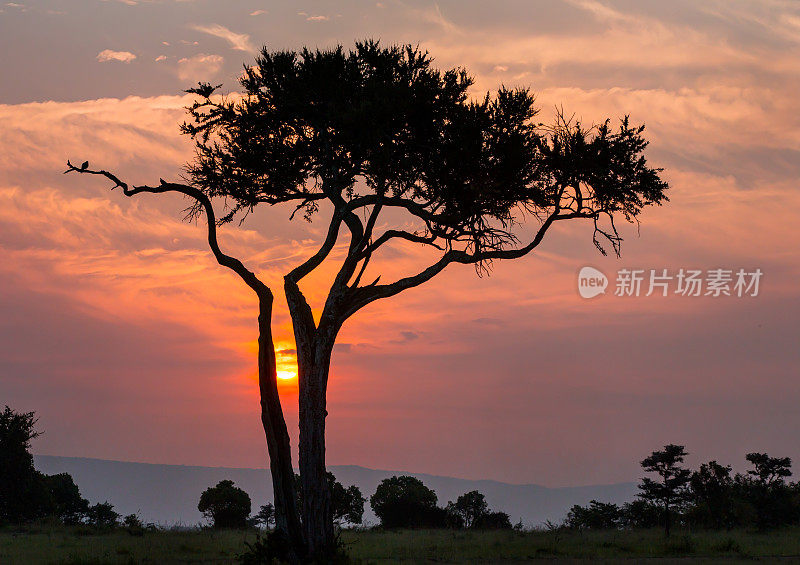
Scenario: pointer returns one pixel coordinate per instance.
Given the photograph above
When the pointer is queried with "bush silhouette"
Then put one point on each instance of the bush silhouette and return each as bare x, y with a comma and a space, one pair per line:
102, 515
493, 521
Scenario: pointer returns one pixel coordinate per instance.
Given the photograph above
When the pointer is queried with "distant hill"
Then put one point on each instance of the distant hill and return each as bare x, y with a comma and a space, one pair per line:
168, 494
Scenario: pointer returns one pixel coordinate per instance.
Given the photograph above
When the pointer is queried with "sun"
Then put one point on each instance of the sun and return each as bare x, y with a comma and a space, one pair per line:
286, 375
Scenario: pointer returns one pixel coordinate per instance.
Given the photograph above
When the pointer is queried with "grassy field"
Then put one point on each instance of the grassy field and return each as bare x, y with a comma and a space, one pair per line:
80, 546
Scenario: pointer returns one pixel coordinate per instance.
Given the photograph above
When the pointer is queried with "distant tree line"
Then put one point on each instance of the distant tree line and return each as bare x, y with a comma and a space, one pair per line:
711, 497
399, 502
405, 502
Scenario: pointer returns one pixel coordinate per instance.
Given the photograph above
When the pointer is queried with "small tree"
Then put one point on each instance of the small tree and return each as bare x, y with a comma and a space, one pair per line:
393, 150
225, 505
469, 508
670, 490
265, 516
404, 502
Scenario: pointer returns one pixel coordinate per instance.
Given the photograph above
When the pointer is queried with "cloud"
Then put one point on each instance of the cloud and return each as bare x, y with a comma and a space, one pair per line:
146, 127
237, 41
602, 11
431, 15
199, 67
317, 18
259, 12
122, 56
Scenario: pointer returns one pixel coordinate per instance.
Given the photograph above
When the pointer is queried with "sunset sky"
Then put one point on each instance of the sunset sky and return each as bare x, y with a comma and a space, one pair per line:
129, 341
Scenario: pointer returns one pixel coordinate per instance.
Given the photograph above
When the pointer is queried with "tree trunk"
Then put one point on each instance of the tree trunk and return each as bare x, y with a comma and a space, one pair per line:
287, 519
313, 367
314, 347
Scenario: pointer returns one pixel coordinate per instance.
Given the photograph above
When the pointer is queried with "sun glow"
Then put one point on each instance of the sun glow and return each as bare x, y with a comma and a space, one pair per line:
286, 375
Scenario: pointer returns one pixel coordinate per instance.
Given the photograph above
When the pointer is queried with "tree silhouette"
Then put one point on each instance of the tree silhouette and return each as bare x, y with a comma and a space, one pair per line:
226, 505
405, 502
769, 470
766, 489
25, 493
369, 136
66, 501
265, 515
672, 488
469, 508
20, 486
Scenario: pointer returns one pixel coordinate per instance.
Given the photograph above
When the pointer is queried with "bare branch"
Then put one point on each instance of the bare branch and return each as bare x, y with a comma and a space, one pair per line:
315, 260
395, 234
203, 201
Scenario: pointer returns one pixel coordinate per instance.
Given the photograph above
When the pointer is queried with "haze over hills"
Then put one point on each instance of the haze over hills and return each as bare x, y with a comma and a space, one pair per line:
168, 494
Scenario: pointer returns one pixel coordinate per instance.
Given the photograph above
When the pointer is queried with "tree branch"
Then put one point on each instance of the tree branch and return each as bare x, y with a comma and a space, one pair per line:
204, 201
360, 297
315, 260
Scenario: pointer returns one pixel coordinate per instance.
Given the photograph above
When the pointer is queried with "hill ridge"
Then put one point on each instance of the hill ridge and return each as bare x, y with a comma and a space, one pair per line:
168, 493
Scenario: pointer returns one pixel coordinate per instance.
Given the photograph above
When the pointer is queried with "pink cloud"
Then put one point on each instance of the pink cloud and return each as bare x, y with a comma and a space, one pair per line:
199, 67
122, 56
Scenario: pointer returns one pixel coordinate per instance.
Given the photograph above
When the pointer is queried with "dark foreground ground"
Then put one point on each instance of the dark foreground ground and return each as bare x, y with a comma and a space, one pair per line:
80, 546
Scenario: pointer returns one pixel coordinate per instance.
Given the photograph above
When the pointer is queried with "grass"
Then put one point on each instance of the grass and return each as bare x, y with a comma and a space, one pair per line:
80, 546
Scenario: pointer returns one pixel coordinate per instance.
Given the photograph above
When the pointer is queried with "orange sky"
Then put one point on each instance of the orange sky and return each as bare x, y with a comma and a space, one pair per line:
131, 343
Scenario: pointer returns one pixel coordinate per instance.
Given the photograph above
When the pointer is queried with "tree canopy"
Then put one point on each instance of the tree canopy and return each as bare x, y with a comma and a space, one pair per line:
380, 127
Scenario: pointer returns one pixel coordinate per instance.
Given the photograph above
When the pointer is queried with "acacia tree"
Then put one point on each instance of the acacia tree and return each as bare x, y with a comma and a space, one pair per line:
364, 133
671, 488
